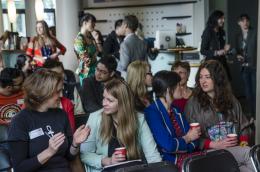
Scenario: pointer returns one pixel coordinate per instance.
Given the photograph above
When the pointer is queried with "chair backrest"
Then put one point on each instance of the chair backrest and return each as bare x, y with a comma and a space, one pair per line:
255, 157
214, 161
69, 84
153, 167
81, 119
5, 160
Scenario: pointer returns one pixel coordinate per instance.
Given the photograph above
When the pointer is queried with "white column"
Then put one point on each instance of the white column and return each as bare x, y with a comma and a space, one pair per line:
257, 135
67, 27
1, 20
30, 18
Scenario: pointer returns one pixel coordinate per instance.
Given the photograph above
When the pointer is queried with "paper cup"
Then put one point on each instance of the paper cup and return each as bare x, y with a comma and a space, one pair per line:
121, 150
232, 135
194, 125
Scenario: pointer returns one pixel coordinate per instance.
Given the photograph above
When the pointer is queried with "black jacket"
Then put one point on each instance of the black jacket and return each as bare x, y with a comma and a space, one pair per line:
111, 45
212, 41
249, 52
92, 94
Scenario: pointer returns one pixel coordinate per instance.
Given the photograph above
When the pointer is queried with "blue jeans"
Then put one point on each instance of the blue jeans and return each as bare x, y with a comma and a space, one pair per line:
249, 78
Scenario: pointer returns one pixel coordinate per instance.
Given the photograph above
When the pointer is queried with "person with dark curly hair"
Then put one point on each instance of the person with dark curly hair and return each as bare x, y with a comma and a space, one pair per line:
219, 114
213, 40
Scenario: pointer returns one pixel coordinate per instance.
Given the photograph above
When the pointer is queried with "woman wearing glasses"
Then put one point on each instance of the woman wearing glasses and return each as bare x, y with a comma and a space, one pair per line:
139, 78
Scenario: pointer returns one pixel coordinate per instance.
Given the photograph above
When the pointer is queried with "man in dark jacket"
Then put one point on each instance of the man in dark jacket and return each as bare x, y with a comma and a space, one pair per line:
246, 46
112, 43
93, 87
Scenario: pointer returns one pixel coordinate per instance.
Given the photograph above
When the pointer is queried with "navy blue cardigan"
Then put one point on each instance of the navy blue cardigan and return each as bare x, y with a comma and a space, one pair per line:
169, 145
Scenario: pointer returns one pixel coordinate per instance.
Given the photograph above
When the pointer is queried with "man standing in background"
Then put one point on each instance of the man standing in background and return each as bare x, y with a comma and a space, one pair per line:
132, 48
246, 46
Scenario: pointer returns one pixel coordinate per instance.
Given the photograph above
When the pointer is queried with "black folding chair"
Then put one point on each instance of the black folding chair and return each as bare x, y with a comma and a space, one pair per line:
255, 157
81, 119
214, 161
5, 160
153, 167
3, 133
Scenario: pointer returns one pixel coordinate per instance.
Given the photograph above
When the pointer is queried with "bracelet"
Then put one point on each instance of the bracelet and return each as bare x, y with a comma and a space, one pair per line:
74, 146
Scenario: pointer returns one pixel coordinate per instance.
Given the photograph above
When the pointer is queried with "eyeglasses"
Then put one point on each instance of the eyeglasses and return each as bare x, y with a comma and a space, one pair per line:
102, 71
149, 73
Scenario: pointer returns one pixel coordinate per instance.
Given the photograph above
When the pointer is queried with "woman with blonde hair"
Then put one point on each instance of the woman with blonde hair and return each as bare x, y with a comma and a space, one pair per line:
139, 78
40, 135
44, 46
117, 125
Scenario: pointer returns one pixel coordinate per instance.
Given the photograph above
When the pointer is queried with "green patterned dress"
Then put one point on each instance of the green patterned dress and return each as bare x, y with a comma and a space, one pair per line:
85, 46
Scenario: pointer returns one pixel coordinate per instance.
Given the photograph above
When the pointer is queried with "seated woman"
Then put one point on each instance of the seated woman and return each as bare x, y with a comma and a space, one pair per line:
170, 129
219, 113
117, 125
139, 78
183, 69
44, 46
40, 135
23, 63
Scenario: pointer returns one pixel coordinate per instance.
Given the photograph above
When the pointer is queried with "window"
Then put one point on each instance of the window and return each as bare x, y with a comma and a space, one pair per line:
49, 12
19, 26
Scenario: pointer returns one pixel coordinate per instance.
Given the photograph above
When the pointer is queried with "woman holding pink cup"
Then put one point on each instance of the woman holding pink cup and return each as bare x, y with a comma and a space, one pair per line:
219, 114
118, 132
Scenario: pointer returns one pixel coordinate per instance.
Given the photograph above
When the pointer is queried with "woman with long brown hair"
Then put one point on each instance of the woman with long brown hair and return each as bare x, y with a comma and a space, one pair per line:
117, 125
219, 114
44, 46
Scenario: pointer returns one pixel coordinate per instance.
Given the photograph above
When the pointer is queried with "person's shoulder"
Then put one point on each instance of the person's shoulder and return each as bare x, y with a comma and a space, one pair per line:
21, 116
89, 81
151, 107
79, 36
97, 115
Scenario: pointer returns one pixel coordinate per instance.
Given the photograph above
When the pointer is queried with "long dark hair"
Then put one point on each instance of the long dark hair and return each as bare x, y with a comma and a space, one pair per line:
164, 80
223, 99
213, 19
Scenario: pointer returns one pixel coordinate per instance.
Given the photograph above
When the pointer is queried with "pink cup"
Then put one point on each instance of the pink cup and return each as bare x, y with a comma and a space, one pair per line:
194, 125
121, 150
232, 135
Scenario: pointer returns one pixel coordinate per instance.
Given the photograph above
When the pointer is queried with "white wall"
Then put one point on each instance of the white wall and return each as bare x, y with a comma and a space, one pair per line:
151, 18
199, 17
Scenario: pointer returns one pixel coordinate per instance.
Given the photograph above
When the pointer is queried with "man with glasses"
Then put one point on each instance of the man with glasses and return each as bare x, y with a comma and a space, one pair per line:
93, 87
11, 95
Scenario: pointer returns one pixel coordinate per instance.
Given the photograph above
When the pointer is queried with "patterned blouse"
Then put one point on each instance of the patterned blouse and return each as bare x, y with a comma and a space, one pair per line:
85, 46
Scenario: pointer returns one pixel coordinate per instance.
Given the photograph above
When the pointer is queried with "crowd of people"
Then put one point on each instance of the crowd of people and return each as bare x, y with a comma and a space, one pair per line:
149, 116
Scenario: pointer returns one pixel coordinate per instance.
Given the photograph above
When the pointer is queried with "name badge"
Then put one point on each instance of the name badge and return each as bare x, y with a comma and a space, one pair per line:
20, 101
36, 133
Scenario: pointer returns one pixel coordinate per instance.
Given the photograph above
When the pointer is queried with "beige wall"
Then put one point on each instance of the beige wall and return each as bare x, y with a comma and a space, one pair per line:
1, 20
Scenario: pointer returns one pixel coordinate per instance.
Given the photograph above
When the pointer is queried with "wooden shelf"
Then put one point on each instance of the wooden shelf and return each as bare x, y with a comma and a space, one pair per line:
175, 17
183, 34
101, 21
